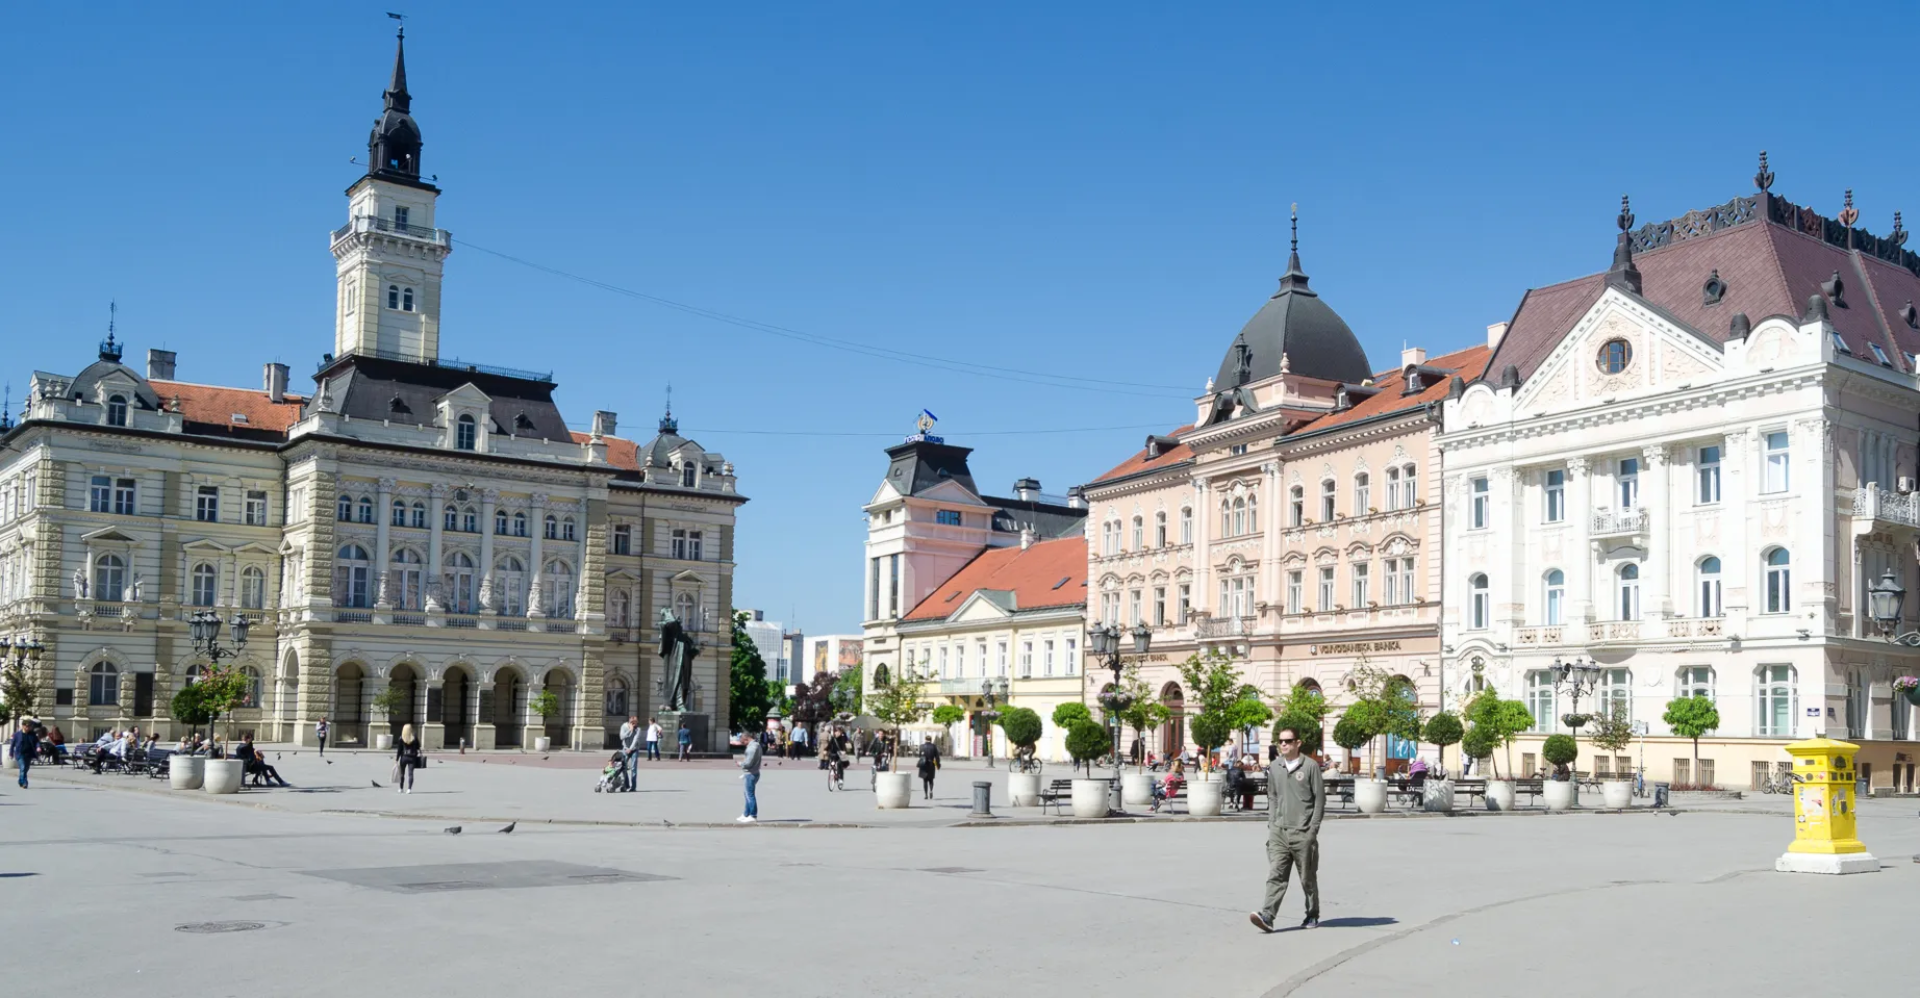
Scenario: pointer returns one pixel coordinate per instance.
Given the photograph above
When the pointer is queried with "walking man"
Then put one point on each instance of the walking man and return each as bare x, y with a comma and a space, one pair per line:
320, 733
1296, 803
686, 742
750, 776
24, 745
630, 752
653, 740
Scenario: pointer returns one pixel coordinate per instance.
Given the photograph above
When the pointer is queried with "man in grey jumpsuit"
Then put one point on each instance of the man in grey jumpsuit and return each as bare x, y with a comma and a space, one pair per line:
1296, 802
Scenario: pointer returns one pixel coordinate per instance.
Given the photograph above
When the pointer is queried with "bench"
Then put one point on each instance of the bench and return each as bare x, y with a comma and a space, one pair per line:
1057, 792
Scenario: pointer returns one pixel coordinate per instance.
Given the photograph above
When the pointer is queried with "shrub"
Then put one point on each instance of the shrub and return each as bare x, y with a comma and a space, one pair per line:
1067, 713
544, 703
1210, 730
947, 713
1560, 750
1353, 729
1691, 717
1307, 726
1021, 725
1443, 729
1087, 741
190, 707
1612, 730
1478, 743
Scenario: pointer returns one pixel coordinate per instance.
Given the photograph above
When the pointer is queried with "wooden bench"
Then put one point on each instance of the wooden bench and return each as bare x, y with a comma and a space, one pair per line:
1057, 793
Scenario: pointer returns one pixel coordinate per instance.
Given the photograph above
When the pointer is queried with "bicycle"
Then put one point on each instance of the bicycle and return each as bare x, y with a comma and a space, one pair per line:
1781, 783
1023, 764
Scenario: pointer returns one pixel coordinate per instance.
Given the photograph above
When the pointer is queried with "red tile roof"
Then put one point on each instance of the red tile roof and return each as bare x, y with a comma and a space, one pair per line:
1033, 576
1465, 364
1140, 462
621, 453
212, 405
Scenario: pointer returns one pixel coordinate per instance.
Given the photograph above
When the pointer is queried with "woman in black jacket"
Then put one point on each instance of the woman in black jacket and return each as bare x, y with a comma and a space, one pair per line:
407, 757
929, 765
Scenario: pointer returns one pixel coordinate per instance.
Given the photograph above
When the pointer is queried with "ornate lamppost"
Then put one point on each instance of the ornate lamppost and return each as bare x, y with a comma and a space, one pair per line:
1883, 602
1576, 679
204, 629
992, 689
1104, 642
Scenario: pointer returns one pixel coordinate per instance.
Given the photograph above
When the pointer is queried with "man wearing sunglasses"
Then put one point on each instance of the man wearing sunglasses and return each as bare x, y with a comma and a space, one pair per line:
1296, 802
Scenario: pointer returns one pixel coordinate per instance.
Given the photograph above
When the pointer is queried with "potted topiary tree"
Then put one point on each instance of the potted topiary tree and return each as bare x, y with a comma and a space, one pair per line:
1141, 713
1692, 717
1478, 743
188, 772
1441, 730
896, 704
1022, 728
1613, 731
1064, 715
386, 703
1354, 729
221, 690
1501, 721
546, 704
1086, 741
1561, 794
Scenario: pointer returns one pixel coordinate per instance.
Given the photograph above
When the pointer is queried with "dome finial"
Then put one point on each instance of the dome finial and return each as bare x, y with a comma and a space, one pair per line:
1293, 218
1295, 279
1763, 179
1623, 274
109, 349
667, 423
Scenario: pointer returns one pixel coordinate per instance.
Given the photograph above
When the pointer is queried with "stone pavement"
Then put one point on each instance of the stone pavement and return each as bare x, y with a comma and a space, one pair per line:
97, 885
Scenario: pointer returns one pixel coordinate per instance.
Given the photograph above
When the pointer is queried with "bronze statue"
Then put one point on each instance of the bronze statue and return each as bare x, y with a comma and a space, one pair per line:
677, 651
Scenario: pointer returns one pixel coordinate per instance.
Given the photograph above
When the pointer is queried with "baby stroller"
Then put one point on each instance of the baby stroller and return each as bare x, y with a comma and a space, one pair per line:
613, 779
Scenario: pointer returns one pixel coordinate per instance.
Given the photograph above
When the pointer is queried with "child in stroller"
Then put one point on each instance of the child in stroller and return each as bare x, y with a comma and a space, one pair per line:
613, 779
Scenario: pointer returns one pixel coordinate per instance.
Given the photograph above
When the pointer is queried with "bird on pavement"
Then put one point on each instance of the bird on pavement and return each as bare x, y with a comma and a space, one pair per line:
376, 784
544, 758
453, 830
509, 829
329, 762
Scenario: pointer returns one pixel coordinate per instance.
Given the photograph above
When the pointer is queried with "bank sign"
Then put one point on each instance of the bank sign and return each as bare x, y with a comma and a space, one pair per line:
1354, 648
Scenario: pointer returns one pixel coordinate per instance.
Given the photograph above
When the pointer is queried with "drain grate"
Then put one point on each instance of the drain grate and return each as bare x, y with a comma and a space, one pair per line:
218, 927
950, 869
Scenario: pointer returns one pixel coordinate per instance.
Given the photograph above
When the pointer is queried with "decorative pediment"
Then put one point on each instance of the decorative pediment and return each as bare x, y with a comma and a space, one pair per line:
986, 604
466, 396
206, 546
1620, 348
686, 575
951, 492
109, 535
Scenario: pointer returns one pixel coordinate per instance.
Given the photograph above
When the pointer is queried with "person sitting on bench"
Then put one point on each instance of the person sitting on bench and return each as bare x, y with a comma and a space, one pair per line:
255, 766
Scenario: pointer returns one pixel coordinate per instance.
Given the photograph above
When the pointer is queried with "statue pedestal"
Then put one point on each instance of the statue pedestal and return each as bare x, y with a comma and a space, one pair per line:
670, 721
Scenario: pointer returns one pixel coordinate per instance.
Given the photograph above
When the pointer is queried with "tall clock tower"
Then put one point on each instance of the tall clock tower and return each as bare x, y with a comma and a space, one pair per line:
389, 255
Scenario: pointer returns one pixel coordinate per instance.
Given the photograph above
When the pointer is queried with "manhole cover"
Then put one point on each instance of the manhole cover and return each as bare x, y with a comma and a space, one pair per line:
950, 869
212, 927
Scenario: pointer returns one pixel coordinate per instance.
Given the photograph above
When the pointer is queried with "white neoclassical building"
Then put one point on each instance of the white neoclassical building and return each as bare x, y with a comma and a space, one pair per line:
414, 521
1687, 469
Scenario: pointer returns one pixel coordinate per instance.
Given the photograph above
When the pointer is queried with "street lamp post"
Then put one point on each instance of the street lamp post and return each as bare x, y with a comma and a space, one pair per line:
1104, 641
204, 629
990, 688
1577, 679
1883, 602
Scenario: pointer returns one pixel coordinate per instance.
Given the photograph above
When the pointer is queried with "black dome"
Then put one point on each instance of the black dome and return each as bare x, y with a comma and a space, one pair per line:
1297, 324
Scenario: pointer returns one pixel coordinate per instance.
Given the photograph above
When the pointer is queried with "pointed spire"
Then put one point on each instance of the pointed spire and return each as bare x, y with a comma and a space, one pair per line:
1295, 279
109, 349
397, 97
667, 423
1623, 274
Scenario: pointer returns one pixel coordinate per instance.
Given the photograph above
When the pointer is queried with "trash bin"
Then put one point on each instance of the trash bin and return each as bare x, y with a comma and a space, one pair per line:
1660, 792
982, 799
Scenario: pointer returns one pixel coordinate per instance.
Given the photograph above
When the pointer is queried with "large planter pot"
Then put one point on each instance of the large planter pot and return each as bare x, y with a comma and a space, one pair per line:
1499, 795
892, 790
1023, 789
1136, 788
1617, 793
186, 772
383, 742
1370, 795
1437, 796
223, 776
541, 743
1090, 798
1204, 797
1561, 795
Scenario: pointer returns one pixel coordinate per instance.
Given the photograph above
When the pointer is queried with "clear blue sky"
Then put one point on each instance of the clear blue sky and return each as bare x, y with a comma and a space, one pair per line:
1098, 190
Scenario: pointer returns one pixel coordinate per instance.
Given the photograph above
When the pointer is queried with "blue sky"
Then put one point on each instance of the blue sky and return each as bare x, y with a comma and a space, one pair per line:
1095, 190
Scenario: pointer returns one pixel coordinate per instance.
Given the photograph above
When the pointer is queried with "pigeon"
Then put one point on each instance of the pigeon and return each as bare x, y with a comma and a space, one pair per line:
544, 758
329, 762
376, 784
277, 756
509, 829
453, 829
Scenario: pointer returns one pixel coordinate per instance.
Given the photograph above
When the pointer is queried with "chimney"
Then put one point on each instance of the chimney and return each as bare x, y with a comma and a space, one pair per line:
1496, 333
1076, 497
604, 422
276, 382
1026, 536
160, 365
1027, 490
1412, 356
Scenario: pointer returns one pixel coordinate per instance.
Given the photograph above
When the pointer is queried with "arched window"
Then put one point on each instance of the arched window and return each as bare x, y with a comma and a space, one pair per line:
366, 509
552, 528
450, 519
253, 588
519, 524
1186, 525
109, 578
1695, 681
500, 521
687, 474
350, 576
1362, 494
206, 584
405, 580
616, 700
1540, 700
399, 513
420, 515
880, 676
511, 587
1239, 517
1226, 518
103, 685
406, 299
556, 589
1706, 575
1629, 592
1778, 587
470, 519
117, 410
343, 508
567, 529
460, 585
1777, 699
1297, 508
1556, 593
1479, 602
1328, 494
393, 296
465, 432
250, 676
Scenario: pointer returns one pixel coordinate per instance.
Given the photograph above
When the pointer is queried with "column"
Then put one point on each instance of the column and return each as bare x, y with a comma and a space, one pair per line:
383, 517
1737, 561
580, 568
1580, 570
488, 499
1271, 518
1657, 500
1202, 577
436, 523
230, 579
538, 514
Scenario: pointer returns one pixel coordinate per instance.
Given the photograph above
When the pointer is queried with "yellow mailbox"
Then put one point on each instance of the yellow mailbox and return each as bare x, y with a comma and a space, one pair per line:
1823, 815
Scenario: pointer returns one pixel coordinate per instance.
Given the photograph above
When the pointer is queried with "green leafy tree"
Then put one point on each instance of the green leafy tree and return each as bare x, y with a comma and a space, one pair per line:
1023, 729
897, 704
1065, 714
947, 713
848, 691
1503, 720
545, 703
1210, 731
19, 694
1441, 730
1305, 711
1560, 750
1478, 743
1086, 741
1612, 728
1353, 730
1692, 717
748, 698
190, 707
1386, 702
221, 690
1248, 712
1144, 712
1212, 682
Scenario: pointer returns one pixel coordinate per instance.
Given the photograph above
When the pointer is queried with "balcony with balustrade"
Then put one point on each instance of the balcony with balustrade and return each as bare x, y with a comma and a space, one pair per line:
1886, 509
375, 223
1617, 522
1223, 627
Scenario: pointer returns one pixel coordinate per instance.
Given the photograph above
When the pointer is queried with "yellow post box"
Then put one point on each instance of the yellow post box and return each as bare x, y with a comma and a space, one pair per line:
1823, 811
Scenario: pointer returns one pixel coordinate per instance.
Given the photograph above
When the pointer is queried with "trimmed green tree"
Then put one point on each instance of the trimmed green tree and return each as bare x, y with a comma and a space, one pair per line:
1692, 717
1209, 731
1561, 750
1612, 729
1353, 729
1213, 682
1503, 721
748, 695
1065, 714
190, 708
1305, 711
1086, 741
1022, 728
1478, 743
947, 713
1248, 712
19, 694
1143, 712
1441, 730
221, 690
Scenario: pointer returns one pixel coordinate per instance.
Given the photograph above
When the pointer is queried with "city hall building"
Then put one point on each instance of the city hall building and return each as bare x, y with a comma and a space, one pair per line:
413, 521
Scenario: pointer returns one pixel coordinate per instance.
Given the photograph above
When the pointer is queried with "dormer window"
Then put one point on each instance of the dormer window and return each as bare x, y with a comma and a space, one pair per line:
521, 422
117, 410
465, 432
687, 473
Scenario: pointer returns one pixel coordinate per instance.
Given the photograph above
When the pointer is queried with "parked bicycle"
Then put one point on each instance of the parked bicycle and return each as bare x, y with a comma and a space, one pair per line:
1779, 783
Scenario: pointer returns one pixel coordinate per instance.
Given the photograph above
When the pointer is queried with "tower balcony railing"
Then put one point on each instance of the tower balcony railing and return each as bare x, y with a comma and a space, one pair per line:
1613, 523
375, 223
1901, 509
1224, 627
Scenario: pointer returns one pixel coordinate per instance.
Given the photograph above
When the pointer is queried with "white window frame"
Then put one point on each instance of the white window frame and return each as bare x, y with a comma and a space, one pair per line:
1777, 457
1776, 581
1554, 496
1771, 682
1479, 602
1626, 580
1707, 475
1480, 503
1626, 482
1708, 588
1295, 589
1554, 586
1326, 589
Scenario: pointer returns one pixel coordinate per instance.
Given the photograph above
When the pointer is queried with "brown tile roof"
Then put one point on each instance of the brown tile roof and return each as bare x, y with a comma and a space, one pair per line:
1769, 270
1033, 575
1466, 364
214, 406
621, 453
1140, 462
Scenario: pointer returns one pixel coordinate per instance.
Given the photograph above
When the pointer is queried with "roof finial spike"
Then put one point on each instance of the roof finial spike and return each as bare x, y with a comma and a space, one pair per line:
1848, 213
1763, 179
1625, 219
667, 423
1295, 278
1293, 220
1623, 274
1898, 236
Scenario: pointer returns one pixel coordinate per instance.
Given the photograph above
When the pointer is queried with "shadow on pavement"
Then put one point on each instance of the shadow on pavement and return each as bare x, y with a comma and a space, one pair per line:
1356, 923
